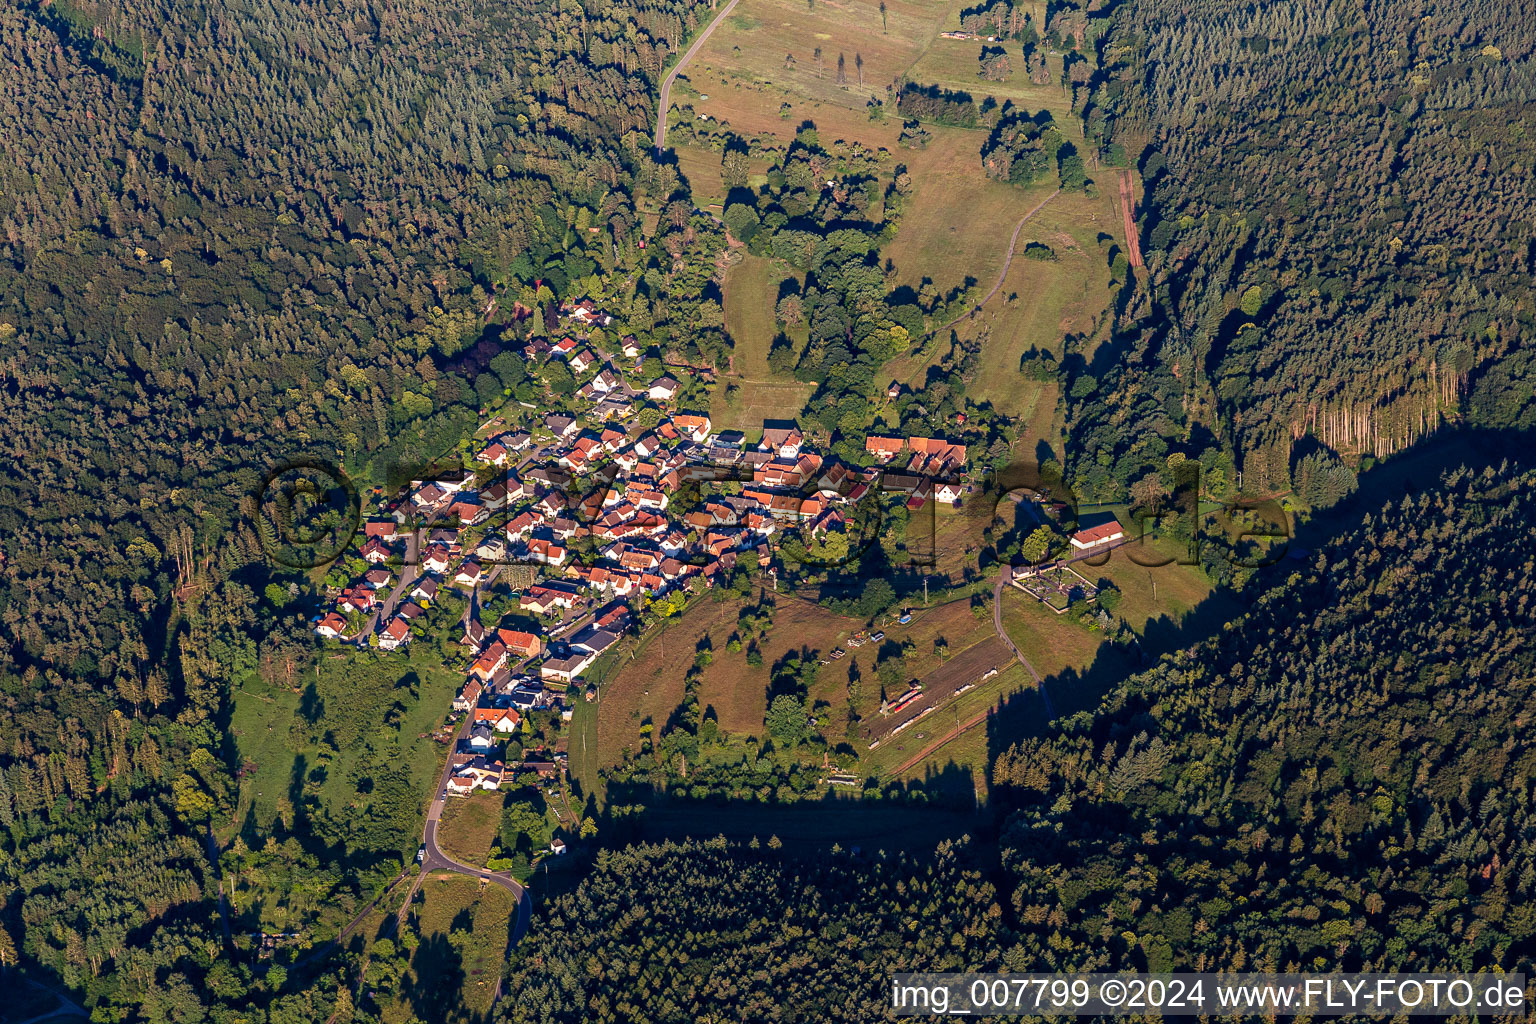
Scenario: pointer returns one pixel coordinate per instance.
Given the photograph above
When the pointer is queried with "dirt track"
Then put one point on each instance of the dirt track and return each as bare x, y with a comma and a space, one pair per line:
1127, 204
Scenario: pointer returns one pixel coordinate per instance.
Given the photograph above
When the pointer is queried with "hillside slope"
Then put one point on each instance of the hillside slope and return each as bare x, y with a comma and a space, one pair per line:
1341, 779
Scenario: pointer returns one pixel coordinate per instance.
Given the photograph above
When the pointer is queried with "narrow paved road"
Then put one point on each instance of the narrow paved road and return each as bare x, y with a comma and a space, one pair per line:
666, 84
410, 568
434, 859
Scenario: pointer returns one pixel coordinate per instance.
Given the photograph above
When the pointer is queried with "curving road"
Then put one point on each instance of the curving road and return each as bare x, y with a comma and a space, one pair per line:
666, 83
434, 859
1002, 634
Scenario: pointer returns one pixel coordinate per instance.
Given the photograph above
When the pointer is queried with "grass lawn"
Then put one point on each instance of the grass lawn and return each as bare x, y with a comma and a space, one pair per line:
701, 166
583, 749
650, 688
468, 826
356, 734
751, 108
954, 64
750, 404
1039, 303
957, 222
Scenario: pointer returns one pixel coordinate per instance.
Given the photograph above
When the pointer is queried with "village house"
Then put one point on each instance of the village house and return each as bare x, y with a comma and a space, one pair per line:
562, 426
476, 772
393, 635
357, 599
524, 645
469, 573
593, 640
541, 597
695, 426
494, 454
499, 719
332, 626
884, 449
781, 438
566, 667
547, 552
489, 662
468, 696
435, 559
481, 738
376, 552
663, 389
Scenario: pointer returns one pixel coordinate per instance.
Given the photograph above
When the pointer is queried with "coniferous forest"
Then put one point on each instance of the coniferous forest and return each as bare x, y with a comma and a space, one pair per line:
1338, 223
235, 234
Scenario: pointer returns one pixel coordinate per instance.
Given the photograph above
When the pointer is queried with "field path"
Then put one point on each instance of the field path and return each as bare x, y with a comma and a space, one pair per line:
1002, 275
666, 84
1013, 240
1132, 238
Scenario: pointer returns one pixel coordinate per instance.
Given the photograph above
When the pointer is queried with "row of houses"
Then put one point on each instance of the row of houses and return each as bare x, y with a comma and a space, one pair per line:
368, 594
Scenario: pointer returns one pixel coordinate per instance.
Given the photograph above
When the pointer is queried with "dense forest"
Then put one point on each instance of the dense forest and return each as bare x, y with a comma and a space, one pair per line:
1342, 779
1339, 227
748, 932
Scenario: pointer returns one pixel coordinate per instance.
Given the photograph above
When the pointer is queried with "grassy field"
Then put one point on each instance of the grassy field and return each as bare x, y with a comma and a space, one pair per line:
968, 751
1039, 303
277, 753
651, 687
584, 749
701, 167
469, 825
746, 408
463, 931
751, 292
774, 43
957, 222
